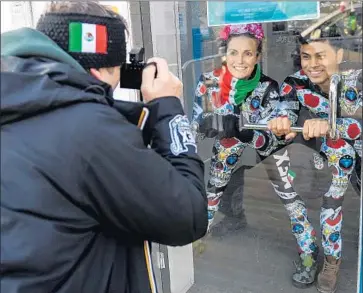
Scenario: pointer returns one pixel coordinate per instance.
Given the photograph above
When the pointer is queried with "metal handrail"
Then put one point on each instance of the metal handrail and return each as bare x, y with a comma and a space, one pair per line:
332, 118
264, 127
186, 64
192, 75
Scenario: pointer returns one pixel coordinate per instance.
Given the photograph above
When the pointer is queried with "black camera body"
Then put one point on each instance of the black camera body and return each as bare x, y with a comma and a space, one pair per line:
131, 73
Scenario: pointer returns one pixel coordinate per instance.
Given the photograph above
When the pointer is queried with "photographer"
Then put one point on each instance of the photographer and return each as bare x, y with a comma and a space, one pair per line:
80, 190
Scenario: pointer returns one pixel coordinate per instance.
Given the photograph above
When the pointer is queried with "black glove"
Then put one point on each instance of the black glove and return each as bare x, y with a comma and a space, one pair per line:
230, 126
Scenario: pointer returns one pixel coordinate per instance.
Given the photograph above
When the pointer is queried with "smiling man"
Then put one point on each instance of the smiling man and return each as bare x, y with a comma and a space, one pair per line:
305, 97
320, 60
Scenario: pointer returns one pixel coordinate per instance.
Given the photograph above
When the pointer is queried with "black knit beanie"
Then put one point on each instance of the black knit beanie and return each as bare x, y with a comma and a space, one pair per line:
93, 41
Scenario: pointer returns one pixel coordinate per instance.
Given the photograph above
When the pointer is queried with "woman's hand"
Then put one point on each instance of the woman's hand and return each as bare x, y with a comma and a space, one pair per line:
281, 126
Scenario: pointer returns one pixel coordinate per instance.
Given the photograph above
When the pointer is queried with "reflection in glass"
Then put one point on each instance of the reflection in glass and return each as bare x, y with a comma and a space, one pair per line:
306, 168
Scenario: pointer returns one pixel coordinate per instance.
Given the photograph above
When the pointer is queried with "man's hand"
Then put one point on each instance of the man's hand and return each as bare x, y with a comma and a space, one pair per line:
163, 85
315, 128
281, 126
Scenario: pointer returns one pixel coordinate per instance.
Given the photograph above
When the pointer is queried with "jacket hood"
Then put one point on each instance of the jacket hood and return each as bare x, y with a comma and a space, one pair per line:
38, 76
27, 42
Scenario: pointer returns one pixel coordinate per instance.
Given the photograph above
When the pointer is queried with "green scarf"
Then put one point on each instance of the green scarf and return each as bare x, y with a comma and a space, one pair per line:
241, 88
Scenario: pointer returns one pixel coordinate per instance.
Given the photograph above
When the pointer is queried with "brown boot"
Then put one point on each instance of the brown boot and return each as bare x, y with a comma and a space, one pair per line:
328, 277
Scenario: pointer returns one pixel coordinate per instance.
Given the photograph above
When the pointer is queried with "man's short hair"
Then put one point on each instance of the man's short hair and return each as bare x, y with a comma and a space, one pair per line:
335, 41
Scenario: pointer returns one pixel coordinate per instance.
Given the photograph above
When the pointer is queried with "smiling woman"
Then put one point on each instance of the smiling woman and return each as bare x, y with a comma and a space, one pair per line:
243, 45
237, 89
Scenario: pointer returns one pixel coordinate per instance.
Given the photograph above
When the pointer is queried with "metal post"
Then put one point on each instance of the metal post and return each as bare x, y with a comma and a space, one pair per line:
333, 101
264, 127
31, 14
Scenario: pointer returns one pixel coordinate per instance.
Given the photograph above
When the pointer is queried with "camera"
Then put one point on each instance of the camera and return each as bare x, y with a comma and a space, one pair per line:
131, 73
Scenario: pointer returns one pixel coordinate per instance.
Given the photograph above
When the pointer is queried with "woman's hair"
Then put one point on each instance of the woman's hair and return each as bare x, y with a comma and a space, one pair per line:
224, 43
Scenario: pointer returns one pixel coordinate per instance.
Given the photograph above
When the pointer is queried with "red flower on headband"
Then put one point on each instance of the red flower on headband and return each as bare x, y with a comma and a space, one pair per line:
225, 32
254, 29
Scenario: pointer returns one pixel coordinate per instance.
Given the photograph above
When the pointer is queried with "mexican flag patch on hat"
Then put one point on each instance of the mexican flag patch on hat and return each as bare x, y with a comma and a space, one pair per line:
87, 38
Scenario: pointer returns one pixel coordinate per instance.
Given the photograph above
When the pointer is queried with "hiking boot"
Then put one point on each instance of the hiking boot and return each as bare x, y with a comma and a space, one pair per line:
306, 269
328, 277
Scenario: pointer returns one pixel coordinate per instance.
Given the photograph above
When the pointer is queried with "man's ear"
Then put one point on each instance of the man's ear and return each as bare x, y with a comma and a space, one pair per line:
340, 56
96, 73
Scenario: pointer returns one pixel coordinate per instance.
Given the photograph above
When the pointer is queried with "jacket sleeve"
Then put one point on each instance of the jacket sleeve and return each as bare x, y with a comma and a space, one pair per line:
349, 128
253, 138
154, 194
268, 108
207, 121
200, 92
271, 99
272, 105
289, 105
200, 105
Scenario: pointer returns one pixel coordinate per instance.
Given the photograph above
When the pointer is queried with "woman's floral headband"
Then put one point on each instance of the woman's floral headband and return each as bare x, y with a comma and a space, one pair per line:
254, 29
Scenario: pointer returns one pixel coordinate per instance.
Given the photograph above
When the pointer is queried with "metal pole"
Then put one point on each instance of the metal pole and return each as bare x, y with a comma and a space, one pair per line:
264, 127
31, 10
333, 102
186, 64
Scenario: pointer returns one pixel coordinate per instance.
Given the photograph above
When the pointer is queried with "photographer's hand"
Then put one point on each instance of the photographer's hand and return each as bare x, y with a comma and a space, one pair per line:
165, 84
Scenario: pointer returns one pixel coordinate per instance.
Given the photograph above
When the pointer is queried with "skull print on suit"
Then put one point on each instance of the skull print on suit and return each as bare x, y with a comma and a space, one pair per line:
221, 119
343, 155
